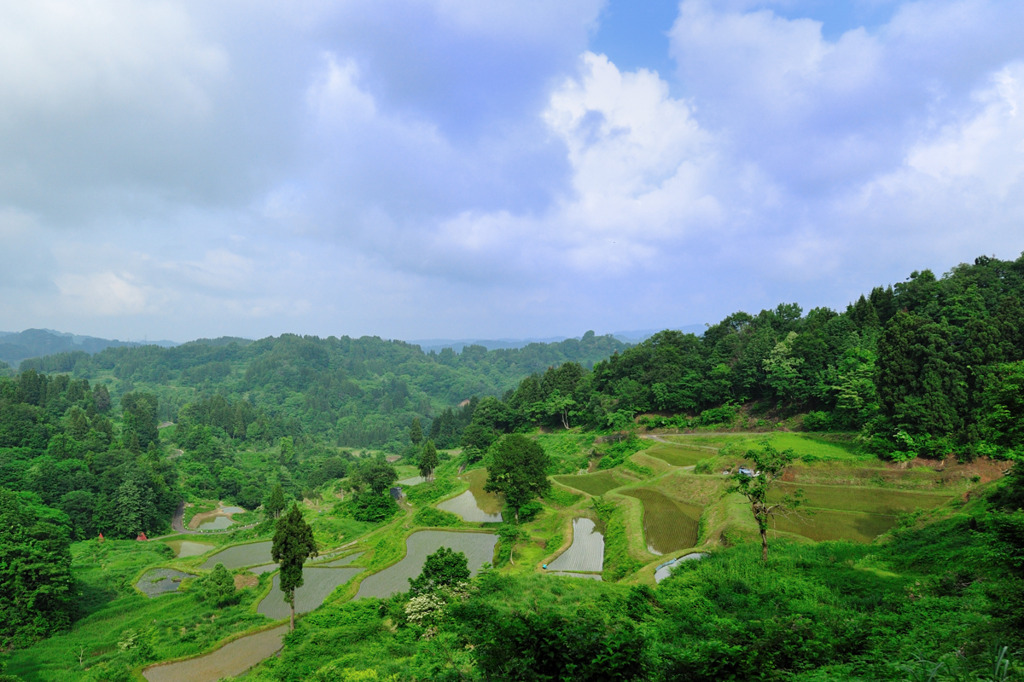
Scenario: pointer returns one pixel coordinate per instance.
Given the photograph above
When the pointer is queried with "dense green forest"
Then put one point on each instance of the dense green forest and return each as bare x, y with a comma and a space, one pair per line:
930, 369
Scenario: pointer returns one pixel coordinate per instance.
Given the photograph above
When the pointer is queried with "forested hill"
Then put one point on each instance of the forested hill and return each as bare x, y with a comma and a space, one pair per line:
355, 392
32, 343
929, 366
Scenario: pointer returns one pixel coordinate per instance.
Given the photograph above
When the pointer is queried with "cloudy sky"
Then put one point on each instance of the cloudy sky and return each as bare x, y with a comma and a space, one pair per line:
174, 169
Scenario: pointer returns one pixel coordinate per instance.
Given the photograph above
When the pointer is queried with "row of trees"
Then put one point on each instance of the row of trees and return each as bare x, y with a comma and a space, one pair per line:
928, 366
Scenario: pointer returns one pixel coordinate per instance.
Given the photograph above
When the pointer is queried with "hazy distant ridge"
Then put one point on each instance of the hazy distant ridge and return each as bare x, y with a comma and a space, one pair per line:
34, 343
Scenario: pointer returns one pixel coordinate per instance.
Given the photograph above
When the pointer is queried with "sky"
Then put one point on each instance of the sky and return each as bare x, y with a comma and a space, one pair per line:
414, 169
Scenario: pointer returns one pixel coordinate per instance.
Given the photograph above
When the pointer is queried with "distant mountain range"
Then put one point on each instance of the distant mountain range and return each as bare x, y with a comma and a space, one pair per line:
34, 343
633, 337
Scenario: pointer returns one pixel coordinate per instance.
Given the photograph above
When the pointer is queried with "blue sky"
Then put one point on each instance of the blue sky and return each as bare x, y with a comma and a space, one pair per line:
452, 168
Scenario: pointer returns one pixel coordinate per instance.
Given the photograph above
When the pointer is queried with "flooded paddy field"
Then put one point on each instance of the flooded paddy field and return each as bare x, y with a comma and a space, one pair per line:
217, 519
157, 581
317, 584
665, 570
231, 660
187, 548
478, 548
586, 553
465, 506
668, 525
593, 484
238, 556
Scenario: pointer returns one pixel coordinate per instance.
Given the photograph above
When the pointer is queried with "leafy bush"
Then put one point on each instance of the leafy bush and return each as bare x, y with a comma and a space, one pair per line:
817, 421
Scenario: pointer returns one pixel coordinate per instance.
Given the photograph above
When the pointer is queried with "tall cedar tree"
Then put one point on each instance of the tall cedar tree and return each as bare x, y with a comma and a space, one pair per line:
293, 544
518, 468
428, 460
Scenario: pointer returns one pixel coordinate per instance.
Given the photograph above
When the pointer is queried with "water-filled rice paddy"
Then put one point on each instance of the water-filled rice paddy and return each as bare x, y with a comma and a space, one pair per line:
317, 584
478, 548
157, 581
586, 553
465, 506
217, 523
231, 660
489, 503
593, 484
665, 570
187, 548
241, 555
414, 480
829, 524
668, 525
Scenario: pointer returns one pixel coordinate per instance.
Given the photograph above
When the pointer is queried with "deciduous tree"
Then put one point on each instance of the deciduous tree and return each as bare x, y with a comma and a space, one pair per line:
769, 463
517, 467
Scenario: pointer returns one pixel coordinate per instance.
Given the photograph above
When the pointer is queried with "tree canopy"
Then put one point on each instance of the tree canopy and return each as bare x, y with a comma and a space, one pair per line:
517, 468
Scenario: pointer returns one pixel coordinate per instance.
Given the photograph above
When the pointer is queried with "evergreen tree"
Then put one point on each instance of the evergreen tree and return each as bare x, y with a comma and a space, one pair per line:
428, 460
275, 503
416, 432
293, 543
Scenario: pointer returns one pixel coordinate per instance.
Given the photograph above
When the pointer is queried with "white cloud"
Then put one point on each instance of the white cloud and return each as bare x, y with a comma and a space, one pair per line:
102, 293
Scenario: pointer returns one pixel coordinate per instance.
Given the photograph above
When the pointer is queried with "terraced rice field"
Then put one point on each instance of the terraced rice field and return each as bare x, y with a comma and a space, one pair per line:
344, 561
241, 555
679, 455
489, 503
861, 499
665, 570
586, 553
217, 523
465, 506
828, 524
231, 660
593, 484
668, 525
157, 581
478, 548
187, 548
317, 584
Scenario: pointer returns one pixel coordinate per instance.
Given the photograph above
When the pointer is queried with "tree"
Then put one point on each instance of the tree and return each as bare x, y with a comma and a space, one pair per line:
518, 468
769, 464
428, 460
293, 543
416, 432
375, 473
35, 570
443, 568
219, 587
275, 503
